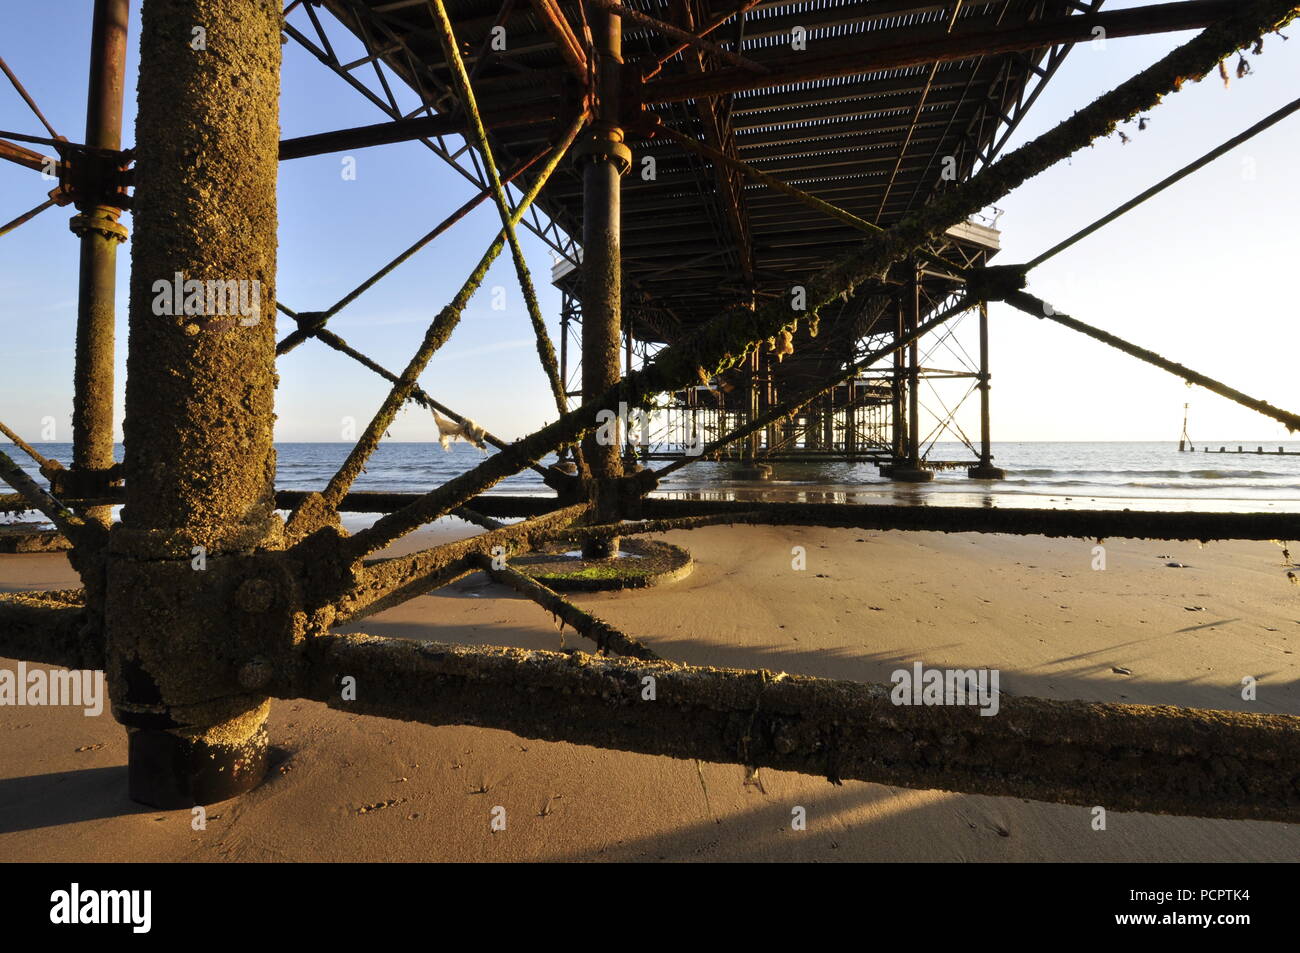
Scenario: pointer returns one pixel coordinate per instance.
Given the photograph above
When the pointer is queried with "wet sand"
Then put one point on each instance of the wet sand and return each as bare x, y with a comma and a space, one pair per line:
354, 788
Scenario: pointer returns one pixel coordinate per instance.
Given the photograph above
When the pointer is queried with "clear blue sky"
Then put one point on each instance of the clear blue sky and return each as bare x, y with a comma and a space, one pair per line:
1200, 274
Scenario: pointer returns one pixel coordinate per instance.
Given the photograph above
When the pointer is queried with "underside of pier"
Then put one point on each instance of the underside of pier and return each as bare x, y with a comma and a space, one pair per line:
766, 216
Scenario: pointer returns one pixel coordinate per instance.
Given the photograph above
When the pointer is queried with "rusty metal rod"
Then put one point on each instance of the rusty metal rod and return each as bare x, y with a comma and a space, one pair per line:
607, 637
294, 338
27, 216
67, 522
418, 393
642, 527
439, 330
695, 40
45, 463
405, 130
478, 137
704, 31
1267, 122
27, 158
27, 98
381, 583
43, 140
562, 35
1039, 308
911, 123
477, 518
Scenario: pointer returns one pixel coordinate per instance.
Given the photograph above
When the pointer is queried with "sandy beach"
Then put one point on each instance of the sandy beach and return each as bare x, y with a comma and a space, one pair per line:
868, 603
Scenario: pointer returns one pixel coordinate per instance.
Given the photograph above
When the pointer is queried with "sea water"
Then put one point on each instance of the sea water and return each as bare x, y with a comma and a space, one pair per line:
1099, 475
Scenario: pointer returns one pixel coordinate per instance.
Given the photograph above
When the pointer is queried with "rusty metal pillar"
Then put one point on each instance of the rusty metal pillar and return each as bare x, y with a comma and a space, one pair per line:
629, 437
565, 462
828, 422
97, 227
604, 159
985, 470
752, 410
751, 468
913, 315
909, 470
198, 611
565, 314
852, 416
770, 400
897, 388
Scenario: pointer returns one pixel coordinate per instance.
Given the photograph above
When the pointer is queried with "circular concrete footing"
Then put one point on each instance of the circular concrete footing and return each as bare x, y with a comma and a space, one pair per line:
640, 563
167, 771
986, 473
752, 471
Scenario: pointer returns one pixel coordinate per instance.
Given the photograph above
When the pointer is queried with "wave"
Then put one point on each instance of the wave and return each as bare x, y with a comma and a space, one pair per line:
1148, 485
1161, 474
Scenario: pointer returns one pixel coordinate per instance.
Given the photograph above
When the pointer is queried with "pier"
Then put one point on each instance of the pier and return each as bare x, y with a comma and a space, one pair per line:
768, 218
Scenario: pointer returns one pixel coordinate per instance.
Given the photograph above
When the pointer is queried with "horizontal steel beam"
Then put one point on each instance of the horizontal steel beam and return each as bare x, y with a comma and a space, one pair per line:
1154, 759
48, 627
407, 130
1081, 524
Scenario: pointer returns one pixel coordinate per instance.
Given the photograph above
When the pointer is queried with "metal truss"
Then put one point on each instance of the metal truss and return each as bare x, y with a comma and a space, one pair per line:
382, 45
192, 670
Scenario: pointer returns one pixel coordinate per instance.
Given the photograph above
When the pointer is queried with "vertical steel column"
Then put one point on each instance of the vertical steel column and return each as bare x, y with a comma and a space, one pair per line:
604, 159
984, 470
828, 422
770, 401
913, 370
852, 412
693, 402
629, 438
896, 386
564, 460
99, 232
753, 440
750, 468
193, 601
564, 348
910, 470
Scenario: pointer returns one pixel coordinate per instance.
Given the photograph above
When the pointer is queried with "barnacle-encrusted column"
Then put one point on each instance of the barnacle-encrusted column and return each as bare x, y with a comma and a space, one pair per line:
192, 594
604, 159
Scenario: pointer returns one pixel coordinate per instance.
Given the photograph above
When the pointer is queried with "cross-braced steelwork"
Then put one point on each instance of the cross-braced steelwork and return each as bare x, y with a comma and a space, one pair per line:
798, 224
